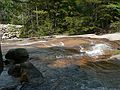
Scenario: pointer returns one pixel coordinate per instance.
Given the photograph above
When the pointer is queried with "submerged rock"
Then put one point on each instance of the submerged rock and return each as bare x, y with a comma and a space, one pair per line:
26, 72
95, 84
9, 88
34, 75
30, 77
15, 71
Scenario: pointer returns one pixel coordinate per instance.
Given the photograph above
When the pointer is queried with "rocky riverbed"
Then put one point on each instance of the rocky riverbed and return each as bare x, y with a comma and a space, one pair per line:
67, 63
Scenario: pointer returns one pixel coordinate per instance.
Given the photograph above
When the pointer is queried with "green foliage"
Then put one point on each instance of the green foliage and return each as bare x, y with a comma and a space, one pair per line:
45, 29
115, 27
48, 17
73, 25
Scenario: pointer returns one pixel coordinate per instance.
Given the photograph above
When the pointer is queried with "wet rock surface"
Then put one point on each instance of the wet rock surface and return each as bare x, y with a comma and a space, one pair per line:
61, 64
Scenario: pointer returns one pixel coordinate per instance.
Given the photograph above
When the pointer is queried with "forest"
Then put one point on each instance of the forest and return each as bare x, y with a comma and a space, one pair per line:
69, 17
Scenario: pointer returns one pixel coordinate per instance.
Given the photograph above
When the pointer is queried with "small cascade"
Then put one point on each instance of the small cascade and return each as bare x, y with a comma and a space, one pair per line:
98, 49
82, 51
93, 51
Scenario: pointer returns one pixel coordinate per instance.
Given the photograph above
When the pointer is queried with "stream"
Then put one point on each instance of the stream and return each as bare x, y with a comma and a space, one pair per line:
67, 63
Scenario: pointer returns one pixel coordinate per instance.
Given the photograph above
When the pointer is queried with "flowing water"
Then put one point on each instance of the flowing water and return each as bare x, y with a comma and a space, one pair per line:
68, 64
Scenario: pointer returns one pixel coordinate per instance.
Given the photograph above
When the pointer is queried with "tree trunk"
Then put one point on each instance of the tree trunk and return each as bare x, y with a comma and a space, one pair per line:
37, 17
1, 58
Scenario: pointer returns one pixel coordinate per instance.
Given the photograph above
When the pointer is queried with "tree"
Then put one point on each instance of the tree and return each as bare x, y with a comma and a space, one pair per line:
47, 17
1, 58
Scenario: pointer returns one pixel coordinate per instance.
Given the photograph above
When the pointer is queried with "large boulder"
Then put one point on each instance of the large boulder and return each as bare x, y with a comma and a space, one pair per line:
17, 56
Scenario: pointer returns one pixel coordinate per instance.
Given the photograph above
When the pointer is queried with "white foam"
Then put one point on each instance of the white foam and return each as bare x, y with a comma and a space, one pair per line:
61, 44
25, 44
98, 49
